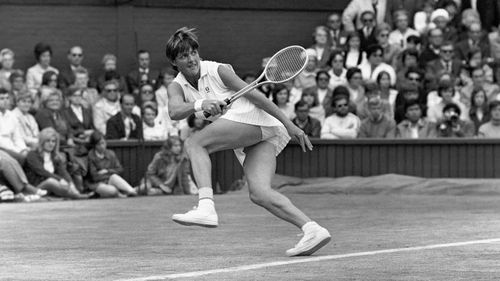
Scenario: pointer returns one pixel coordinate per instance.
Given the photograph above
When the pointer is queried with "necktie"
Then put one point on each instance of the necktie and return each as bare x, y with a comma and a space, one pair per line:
448, 66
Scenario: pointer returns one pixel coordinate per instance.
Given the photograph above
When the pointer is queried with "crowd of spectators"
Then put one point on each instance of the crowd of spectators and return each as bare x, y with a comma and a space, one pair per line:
380, 69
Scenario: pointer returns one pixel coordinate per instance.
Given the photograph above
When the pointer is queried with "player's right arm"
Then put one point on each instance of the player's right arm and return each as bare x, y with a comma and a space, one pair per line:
179, 108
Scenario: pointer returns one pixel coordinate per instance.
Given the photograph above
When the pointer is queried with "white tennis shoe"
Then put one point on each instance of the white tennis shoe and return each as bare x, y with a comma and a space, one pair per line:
199, 217
312, 241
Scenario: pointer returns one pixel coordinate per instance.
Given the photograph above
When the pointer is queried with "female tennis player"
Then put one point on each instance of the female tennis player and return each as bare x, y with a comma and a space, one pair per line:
253, 126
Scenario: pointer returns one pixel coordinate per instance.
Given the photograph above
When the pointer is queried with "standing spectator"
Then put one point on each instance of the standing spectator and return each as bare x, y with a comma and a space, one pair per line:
377, 124
375, 65
43, 56
476, 39
402, 31
144, 74
354, 56
450, 125
414, 126
169, 171
445, 64
367, 31
441, 19
11, 139
310, 126
431, 52
110, 71
51, 116
320, 39
7, 64
82, 82
337, 71
338, 36
46, 167
153, 129
491, 129
107, 106
67, 76
479, 112
281, 97
125, 125
391, 51
25, 121
104, 170
447, 93
171, 126
354, 9
342, 124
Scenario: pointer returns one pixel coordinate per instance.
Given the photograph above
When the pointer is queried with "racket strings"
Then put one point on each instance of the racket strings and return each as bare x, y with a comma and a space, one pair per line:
286, 64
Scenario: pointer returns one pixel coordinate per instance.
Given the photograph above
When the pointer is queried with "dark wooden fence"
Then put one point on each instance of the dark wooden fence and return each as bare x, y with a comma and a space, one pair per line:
430, 158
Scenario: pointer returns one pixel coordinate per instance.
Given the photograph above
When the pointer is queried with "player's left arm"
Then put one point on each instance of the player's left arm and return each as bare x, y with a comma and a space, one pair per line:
235, 83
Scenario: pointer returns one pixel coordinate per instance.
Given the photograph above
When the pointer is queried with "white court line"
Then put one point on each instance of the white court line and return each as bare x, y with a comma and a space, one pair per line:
311, 259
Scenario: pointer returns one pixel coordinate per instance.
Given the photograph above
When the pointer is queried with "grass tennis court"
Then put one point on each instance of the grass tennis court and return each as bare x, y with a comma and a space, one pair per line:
134, 239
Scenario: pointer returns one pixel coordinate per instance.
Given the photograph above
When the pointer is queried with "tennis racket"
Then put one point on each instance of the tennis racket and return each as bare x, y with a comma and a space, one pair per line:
281, 67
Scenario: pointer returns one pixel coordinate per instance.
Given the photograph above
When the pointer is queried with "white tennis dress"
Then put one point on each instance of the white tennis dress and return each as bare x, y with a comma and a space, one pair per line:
210, 86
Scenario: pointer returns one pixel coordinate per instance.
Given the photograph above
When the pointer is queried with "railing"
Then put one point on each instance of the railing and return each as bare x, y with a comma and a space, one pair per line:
430, 158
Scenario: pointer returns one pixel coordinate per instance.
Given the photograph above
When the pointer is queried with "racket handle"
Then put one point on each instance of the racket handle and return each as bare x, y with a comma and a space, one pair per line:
207, 114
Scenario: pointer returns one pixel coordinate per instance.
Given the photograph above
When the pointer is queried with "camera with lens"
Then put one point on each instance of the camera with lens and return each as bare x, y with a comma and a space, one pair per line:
453, 117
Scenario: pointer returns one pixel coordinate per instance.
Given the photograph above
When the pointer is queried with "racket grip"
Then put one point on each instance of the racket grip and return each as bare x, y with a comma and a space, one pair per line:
207, 114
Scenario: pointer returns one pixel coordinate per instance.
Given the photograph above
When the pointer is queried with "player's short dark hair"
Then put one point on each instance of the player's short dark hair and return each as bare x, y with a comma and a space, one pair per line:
181, 41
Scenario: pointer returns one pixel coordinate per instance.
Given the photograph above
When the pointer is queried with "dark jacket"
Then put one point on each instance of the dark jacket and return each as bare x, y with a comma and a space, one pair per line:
115, 128
76, 127
110, 162
134, 80
312, 127
47, 118
36, 173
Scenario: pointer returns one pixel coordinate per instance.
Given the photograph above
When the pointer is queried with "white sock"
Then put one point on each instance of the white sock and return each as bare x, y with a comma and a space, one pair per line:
206, 198
308, 226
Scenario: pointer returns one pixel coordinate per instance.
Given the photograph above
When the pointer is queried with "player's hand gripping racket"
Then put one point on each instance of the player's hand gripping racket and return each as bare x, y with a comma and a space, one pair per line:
281, 67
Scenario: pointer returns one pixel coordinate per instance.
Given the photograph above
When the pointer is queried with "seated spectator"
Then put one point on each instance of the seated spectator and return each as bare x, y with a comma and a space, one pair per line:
433, 97
153, 129
421, 20
367, 32
82, 81
351, 16
450, 125
374, 65
373, 91
441, 19
46, 168
337, 71
316, 110
68, 74
43, 56
110, 71
307, 78
431, 51
478, 81
414, 126
194, 125
78, 117
7, 68
322, 92
475, 40
310, 126
169, 171
146, 94
408, 92
387, 93
494, 41
354, 56
49, 85
51, 116
409, 58
107, 106
11, 139
320, 38
104, 170
377, 124
447, 93
17, 84
391, 51
445, 64
25, 121
172, 126
355, 86
491, 129
342, 124
143, 74
479, 112
414, 42
13, 176
337, 33
402, 31
281, 97
125, 125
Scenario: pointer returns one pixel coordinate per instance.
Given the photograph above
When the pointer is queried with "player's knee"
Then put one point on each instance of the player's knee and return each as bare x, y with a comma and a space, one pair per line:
259, 198
190, 144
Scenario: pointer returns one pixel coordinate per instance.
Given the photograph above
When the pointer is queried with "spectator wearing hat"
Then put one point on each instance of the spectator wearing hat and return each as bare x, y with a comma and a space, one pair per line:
440, 18
26, 122
375, 65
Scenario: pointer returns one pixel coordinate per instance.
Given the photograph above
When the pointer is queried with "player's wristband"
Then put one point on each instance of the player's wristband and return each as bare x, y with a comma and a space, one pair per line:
197, 105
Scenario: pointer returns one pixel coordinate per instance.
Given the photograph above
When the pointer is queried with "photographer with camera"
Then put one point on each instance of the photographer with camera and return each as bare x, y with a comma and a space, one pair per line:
451, 126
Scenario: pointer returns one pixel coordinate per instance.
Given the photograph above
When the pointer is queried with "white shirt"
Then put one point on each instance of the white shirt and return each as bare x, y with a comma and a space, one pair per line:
10, 134
102, 111
337, 80
371, 75
336, 127
34, 76
28, 127
398, 38
48, 165
351, 59
155, 133
322, 95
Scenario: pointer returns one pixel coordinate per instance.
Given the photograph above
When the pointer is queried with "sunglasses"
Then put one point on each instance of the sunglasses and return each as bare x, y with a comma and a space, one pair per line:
447, 51
367, 20
77, 55
341, 105
384, 34
323, 79
111, 90
414, 79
